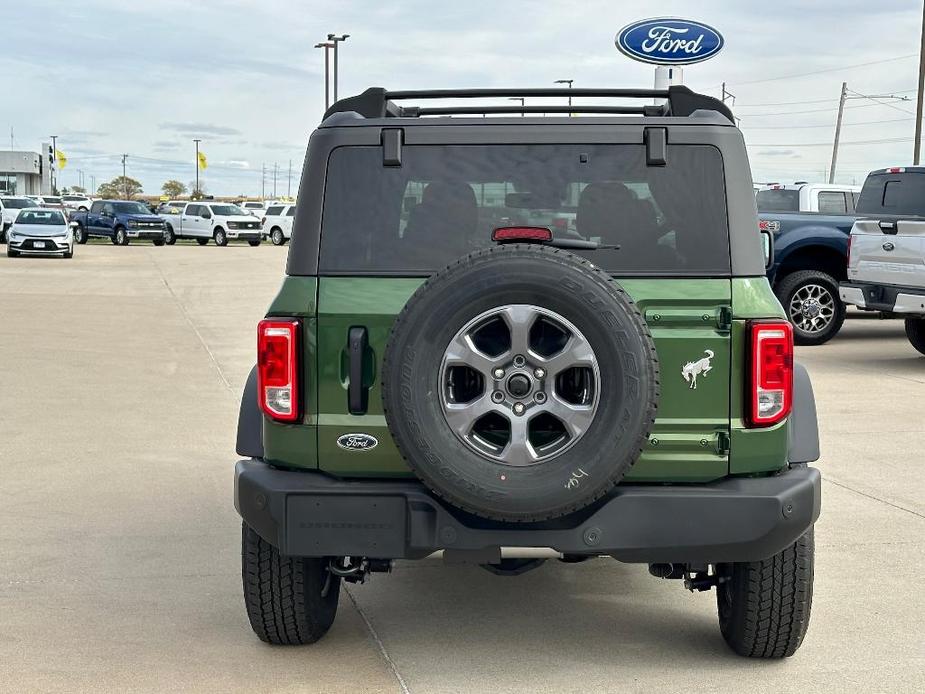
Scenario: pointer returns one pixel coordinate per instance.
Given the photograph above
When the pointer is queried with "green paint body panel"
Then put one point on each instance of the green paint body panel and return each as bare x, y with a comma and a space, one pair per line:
699, 434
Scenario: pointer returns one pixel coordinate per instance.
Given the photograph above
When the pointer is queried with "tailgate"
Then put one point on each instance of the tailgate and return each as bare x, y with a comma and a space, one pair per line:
889, 252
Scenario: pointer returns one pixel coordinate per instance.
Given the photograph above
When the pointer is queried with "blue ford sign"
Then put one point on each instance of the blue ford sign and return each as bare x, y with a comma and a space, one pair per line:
669, 41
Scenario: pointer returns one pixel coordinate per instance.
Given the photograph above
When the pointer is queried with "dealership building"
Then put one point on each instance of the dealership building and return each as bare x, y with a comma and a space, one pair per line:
25, 173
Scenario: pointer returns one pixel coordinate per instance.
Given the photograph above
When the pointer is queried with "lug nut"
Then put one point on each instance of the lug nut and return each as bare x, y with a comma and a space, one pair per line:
539, 373
498, 373
519, 408
519, 360
540, 397
497, 396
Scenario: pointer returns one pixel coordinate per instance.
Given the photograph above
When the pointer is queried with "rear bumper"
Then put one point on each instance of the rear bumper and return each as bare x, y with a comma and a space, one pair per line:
883, 297
736, 519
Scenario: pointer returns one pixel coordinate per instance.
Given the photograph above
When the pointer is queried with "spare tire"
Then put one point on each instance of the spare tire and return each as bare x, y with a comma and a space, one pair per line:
520, 383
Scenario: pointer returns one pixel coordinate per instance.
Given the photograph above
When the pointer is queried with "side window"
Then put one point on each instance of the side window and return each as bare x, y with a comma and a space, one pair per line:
832, 202
274, 211
854, 201
291, 211
192, 210
107, 208
96, 207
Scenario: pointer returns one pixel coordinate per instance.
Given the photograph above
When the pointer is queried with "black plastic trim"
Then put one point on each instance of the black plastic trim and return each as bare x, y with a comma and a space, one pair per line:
250, 420
306, 513
804, 427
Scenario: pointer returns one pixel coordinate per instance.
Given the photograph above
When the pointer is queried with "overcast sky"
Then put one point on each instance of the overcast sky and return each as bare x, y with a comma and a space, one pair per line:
109, 78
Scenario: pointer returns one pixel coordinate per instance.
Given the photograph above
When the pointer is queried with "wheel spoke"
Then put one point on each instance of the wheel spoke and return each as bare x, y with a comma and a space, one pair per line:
519, 319
575, 418
463, 352
577, 352
519, 450
461, 416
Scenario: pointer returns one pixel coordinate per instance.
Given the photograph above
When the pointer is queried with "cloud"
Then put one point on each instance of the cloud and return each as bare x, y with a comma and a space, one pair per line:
166, 145
234, 164
200, 129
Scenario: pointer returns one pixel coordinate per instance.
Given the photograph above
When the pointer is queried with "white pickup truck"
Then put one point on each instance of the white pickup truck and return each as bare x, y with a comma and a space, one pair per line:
886, 251
826, 198
219, 221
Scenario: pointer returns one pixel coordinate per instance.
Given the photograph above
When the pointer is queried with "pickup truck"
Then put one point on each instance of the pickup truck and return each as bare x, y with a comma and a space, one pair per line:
218, 221
827, 198
886, 261
120, 221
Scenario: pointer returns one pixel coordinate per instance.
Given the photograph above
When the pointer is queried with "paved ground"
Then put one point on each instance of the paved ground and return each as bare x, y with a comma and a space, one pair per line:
119, 567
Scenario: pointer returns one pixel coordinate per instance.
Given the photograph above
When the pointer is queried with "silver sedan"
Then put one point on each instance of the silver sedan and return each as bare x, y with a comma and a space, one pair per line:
40, 231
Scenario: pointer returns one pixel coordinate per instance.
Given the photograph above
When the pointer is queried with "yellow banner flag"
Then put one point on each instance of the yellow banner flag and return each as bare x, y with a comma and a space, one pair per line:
202, 160
60, 158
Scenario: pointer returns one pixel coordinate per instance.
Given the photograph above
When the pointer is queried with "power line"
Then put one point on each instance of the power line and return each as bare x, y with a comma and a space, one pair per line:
881, 141
820, 72
828, 125
823, 110
814, 101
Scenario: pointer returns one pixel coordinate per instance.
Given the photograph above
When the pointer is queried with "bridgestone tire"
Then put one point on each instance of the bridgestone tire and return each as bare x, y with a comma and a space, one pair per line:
764, 607
289, 600
554, 280
791, 284
915, 331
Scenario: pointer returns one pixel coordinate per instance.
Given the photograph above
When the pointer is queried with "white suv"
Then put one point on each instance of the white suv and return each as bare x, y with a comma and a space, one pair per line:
277, 224
254, 207
81, 203
10, 205
220, 221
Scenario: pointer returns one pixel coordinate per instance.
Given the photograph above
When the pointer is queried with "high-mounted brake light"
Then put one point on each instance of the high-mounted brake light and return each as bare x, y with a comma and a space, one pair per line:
511, 234
278, 368
896, 169
771, 381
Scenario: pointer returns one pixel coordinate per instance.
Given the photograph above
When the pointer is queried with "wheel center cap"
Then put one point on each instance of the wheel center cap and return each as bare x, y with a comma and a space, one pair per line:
811, 308
518, 385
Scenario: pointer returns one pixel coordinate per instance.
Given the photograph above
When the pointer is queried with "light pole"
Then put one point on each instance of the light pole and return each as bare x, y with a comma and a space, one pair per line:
336, 39
124, 180
196, 192
569, 83
521, 100
54, 164
327, 46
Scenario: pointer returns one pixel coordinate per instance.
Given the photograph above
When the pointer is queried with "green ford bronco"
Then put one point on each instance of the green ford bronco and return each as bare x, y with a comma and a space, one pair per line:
503, 340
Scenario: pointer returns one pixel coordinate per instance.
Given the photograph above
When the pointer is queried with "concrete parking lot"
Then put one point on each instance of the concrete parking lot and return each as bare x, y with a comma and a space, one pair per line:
119, 550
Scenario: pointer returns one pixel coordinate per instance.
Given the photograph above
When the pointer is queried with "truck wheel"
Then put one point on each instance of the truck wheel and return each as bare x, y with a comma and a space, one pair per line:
276, 236
253, 242
80, 234
158, 242
170, 238
10, 253
221, 239
121, 238
764, 605
813, 306
202, 242
289, 600
915, 331
520, 383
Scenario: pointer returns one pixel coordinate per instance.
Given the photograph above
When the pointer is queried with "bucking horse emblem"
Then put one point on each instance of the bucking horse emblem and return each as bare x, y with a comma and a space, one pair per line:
692, 369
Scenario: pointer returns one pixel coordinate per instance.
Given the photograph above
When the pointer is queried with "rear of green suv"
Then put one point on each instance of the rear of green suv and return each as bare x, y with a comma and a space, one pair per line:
506, 340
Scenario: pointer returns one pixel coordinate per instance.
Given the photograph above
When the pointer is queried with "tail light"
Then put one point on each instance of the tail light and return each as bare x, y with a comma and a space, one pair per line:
263, 220
278, 368
771, 382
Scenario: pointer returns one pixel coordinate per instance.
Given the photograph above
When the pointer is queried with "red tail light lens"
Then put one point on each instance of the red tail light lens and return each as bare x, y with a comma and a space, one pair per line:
509, 234
771, 386
278, 368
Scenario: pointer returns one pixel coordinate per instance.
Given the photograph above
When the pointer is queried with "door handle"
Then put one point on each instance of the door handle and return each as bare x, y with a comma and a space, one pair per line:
357, 395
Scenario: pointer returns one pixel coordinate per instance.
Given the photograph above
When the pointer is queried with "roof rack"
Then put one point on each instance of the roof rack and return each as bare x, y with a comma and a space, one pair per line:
377, 102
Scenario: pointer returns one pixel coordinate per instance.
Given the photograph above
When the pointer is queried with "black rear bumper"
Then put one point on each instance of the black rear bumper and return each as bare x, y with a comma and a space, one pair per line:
736, 519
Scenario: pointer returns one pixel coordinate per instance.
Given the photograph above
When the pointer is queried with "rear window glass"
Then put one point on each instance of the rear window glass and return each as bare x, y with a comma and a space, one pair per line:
778, 200
274, 211
444, 201
893, 194
832, 202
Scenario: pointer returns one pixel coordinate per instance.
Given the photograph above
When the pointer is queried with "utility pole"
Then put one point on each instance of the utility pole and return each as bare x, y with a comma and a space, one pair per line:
54, 164
289, 181
197, 167
124, 180
569, 83
336, 39
92, 185
841, 111
11, 138
263, 181
727, 93
918, 104
327, 46
275, 171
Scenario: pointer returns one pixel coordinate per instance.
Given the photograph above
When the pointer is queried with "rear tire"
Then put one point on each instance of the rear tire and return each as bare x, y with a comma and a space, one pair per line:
276, 236
915, 331
289, 600
800, 289
221, 239
764, 606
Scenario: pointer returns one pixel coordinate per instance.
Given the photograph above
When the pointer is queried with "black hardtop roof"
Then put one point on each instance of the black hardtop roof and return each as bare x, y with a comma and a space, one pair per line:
377, 102
898, 169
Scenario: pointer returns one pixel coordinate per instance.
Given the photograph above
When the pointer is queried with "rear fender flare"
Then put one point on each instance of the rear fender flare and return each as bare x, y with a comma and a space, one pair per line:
250, 420
803, 444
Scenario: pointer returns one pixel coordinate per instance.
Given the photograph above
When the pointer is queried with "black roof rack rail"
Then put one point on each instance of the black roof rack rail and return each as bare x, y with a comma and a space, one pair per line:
377, 102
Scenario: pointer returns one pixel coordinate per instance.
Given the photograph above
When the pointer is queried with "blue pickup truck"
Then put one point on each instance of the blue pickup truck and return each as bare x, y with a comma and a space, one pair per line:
121, 221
